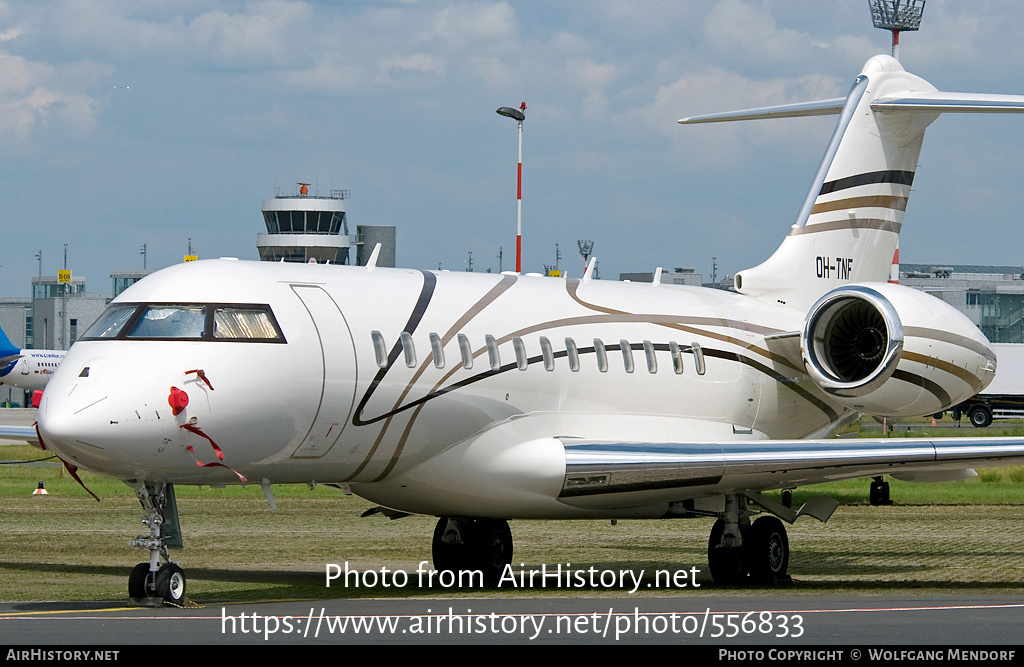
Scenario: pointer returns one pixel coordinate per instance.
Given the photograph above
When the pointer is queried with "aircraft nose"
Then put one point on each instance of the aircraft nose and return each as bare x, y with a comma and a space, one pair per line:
79, 422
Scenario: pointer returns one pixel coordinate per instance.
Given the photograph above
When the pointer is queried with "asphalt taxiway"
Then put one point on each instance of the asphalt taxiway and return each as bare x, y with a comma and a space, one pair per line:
766, 621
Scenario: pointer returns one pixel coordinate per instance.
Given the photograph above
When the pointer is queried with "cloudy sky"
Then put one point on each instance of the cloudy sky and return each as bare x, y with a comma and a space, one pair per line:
130, 122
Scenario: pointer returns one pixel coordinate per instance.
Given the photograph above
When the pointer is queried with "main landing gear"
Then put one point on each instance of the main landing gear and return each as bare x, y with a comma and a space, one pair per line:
738, 547
473, 545
152, 583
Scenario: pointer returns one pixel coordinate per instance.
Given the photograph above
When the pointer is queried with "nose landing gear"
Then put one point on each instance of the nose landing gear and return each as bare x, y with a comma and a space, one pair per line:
152, 583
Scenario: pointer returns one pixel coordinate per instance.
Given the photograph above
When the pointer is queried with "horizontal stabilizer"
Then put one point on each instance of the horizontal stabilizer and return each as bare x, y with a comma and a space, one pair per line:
939, 102
819, 108
936, 102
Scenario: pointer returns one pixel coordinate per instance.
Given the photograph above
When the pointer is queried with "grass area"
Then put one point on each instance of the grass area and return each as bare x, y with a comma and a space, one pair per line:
950, 537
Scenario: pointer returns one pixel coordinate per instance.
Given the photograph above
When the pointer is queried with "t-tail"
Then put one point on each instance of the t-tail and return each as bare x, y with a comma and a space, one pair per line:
848, 227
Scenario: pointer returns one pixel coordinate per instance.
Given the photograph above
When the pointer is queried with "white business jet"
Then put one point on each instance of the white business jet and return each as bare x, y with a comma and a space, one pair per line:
480, 398
26, 369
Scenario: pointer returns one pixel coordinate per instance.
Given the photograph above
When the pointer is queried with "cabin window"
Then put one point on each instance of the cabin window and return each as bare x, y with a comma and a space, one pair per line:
437, 350
573, 354
677, 357
698, 357
466, 350
652, 361
627, 355
522, 361
492, 352
380, 351
601, 354
408, 349
547, 353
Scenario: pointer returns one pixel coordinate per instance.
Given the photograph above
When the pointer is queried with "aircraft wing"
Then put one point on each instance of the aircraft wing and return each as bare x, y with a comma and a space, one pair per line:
594, 470
24, 433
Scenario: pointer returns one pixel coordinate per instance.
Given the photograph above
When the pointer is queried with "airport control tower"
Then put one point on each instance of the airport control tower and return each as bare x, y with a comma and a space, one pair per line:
305, 227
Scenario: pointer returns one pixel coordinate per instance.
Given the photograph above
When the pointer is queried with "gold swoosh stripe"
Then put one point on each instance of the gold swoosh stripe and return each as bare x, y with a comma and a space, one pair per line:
954, 339
677, 323
855, 223
876, 201
961, 373
503, 285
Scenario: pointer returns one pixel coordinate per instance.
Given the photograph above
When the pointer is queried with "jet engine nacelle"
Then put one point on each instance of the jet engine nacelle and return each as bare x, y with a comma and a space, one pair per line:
892, 351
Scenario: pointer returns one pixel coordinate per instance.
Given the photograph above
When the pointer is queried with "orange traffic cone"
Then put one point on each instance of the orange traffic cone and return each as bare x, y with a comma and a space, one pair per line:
40, 491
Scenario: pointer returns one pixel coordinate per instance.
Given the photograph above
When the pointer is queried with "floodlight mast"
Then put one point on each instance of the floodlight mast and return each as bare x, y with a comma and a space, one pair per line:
586, 247
896, 16
519, 116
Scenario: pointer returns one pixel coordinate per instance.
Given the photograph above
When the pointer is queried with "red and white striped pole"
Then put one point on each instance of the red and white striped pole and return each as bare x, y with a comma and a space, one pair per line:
519, 201
520, 116
894, 271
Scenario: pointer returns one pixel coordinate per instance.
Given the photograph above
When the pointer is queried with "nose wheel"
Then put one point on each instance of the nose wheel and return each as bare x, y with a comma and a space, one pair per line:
152, 583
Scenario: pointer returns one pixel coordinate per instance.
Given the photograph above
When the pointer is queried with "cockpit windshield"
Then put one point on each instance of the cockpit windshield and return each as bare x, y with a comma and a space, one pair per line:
110, 322
170, 322
192, 321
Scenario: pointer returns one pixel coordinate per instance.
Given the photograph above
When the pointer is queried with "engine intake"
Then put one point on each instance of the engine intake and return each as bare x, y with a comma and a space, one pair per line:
852, 341
892, 351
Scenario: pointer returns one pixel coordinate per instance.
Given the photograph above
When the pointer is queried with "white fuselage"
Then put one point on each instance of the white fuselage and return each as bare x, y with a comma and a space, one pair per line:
413, 428
319, 407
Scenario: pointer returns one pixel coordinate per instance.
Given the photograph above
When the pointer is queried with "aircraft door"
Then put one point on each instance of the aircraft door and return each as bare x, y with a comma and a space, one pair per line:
337, 352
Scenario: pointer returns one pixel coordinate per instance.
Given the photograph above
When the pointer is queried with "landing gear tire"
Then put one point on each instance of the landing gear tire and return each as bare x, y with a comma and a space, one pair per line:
170, 584
140, 585
491, 548
472, 545
766, 551
447, 548
727, 564
980, 417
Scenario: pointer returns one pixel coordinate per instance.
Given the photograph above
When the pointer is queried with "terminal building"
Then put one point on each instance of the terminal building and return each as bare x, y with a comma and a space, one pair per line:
49, 320
59, 320
991, 296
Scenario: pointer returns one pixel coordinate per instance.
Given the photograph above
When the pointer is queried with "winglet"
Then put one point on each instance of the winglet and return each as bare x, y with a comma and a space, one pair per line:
371, 263
589, 273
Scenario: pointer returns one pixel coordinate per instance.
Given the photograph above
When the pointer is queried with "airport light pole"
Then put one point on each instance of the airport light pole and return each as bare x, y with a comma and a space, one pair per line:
519, 116
586, 247
896, 16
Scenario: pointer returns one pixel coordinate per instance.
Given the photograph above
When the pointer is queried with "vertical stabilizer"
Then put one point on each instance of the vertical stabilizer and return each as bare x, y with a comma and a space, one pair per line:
8, 350
848, 227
